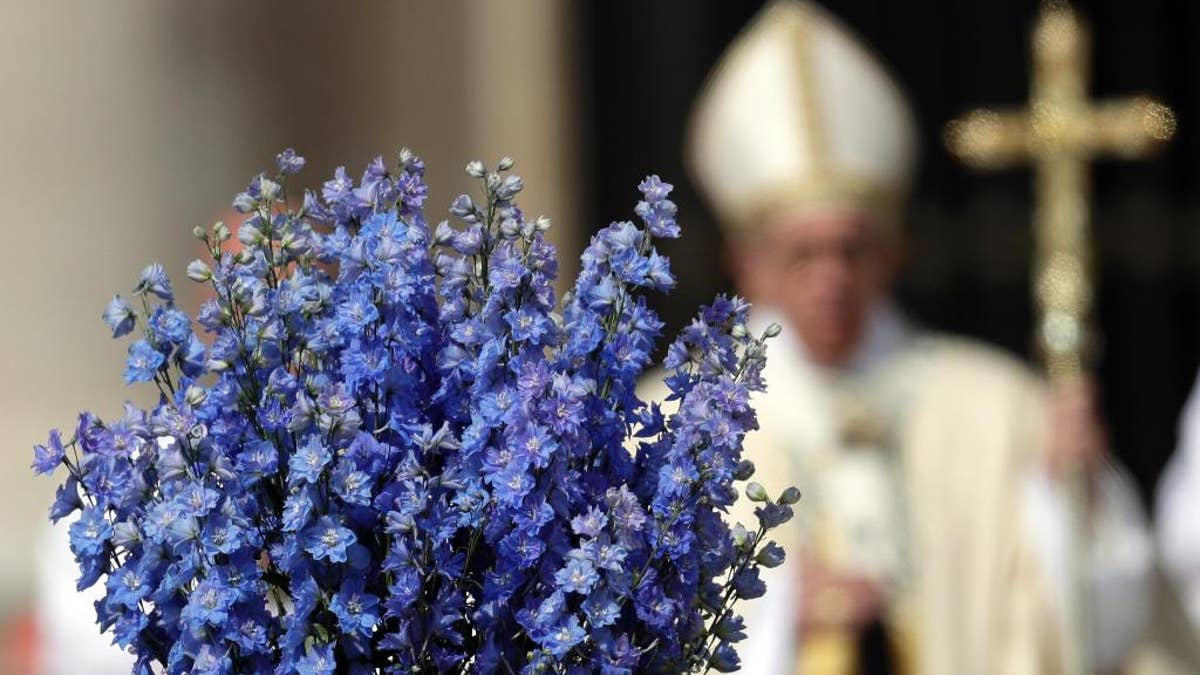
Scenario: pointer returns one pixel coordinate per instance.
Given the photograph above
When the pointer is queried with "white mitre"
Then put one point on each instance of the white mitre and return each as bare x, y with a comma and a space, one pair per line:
800, 113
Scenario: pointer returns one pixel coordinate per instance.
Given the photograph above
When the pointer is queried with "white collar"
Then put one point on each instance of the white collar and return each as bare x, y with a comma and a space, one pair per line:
886, 333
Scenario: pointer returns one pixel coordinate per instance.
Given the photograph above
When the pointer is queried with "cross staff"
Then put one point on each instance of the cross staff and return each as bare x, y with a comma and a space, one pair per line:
1059, 134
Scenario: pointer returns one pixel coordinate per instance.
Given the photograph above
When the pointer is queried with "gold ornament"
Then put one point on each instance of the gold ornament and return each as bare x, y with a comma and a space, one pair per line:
1059, 134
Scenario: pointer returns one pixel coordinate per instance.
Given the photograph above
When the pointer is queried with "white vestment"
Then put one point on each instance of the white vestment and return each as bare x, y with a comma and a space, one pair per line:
1178, 509
67, 628
951, 513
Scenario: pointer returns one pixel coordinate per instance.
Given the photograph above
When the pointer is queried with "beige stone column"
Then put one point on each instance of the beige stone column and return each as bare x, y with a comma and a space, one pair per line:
524, 97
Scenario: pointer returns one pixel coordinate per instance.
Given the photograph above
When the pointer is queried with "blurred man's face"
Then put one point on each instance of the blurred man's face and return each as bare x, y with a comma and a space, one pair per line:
824, 271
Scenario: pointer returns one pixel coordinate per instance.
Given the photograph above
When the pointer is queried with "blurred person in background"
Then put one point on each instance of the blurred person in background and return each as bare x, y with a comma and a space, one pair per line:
932, 534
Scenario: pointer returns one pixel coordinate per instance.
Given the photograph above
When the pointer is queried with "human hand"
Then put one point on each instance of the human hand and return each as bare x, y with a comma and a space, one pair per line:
833, 601
1078, 436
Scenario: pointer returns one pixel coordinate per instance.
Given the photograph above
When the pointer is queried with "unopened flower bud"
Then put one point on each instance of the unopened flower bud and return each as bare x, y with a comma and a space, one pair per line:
200, 233
221, 231
773, 330
730, 629
744, 470
738, 331
509, 187
505, 164
741, 536
244, 257
288, 162
462, 206
770, 555
195, 395
510, 228
126, 534
292, 243
543, 224
771, 516
475, 169
270, 189
250, 235
790, 496
198, 271
755, 492
244, 203
442, 234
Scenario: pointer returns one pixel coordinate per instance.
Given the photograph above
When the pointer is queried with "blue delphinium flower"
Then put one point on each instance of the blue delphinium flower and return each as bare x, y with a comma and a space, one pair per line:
119, 316
355, 609
90, 534
565, 636
397, 450
319, 660
288, 162
170, 326
579, 576
143, 362
127, 587
656, 211
326, 539
154, 280
46, 458
209, 605
309, 462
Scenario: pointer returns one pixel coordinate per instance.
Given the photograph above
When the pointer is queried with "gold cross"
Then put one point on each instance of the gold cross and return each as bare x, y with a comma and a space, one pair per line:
1059, 134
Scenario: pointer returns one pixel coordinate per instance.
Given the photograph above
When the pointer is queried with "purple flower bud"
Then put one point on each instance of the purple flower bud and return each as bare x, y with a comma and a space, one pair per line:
770, 555
790, 496
154, 280
270, 190
462, 206
755, 492
244, 203
119, 316
46, 458
748, 585
198, 271
509, 188
653, 189
250, 235
288, 162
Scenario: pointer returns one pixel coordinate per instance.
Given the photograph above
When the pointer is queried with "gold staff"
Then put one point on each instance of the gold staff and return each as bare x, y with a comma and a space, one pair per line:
1059, 134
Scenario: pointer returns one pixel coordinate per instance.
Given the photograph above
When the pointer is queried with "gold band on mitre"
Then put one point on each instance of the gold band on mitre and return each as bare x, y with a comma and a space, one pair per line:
880, 204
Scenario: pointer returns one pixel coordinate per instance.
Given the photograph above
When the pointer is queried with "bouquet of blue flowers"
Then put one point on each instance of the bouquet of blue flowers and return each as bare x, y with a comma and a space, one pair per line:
397, 452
